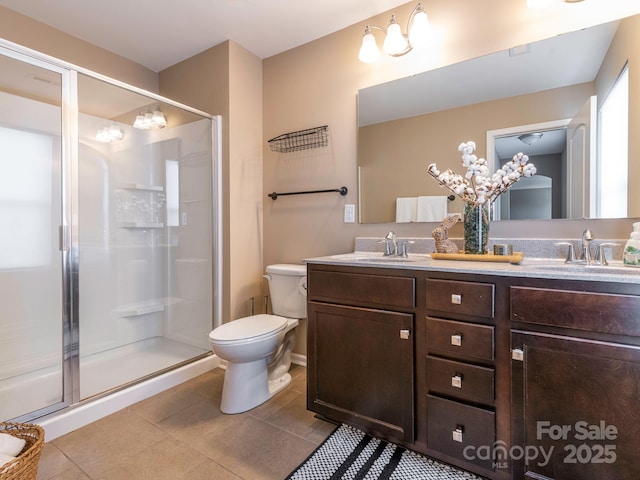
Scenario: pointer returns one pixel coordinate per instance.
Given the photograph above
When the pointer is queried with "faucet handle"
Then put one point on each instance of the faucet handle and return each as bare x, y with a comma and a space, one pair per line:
402, 247
571, 253
601, 257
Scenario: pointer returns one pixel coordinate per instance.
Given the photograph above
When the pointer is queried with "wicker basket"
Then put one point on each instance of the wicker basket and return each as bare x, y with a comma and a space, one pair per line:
25, 466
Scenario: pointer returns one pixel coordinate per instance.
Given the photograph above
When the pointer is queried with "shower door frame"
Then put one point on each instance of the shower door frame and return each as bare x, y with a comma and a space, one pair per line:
69, 228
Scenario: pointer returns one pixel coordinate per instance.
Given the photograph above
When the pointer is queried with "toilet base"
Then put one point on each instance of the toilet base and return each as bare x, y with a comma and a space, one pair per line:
245, 386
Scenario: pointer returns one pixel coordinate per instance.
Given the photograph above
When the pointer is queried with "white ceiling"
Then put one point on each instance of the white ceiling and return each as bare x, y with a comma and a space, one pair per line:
160, 33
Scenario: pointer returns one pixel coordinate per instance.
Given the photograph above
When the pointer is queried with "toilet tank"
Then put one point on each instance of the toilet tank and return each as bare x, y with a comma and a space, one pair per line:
288, 289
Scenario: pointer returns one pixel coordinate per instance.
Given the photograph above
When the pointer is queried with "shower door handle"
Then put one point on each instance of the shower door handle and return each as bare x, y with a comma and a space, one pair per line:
63, 237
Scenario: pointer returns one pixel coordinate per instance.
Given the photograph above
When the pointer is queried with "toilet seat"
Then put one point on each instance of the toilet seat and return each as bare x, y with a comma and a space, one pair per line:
248, 329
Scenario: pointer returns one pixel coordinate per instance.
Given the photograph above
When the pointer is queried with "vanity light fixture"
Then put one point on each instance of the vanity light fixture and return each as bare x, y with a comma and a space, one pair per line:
150, 120
109, 134
397, 43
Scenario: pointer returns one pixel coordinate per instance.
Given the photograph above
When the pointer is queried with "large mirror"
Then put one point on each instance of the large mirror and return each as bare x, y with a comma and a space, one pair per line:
577, 93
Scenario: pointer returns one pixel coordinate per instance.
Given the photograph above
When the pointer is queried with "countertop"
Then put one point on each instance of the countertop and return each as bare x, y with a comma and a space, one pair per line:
529, 267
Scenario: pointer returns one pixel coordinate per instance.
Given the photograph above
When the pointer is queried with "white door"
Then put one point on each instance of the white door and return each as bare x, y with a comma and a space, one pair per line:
581, 148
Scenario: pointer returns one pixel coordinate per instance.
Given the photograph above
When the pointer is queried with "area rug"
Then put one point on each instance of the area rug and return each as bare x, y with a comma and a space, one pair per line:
351, 454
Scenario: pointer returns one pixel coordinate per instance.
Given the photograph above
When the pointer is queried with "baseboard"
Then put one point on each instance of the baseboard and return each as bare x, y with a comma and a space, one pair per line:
299, 359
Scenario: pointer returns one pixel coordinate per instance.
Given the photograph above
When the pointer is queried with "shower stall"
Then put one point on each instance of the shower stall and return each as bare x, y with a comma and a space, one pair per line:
108, 206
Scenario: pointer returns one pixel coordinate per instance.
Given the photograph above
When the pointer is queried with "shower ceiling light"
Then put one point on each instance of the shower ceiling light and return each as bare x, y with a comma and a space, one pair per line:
530, 138
397, 43
150, 120
109, 134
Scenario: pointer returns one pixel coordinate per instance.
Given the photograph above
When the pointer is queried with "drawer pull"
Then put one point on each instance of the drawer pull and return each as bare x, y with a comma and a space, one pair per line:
456, 339
457, 434
456, 381
404, 334
517, 354
456, 299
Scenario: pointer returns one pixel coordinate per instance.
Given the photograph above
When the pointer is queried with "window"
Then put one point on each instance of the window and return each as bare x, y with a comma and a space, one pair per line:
612, 170
25, 198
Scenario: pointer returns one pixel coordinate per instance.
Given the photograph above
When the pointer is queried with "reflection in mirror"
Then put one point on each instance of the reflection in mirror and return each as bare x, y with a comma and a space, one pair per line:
556, 87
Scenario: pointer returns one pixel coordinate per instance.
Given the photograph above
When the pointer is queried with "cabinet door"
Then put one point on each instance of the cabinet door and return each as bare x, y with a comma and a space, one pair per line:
360, 368
576, 408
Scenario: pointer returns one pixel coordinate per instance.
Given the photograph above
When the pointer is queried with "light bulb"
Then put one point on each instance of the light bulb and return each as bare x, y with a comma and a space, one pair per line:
369, 51
420, 33
146, 122
395, 42
115, 132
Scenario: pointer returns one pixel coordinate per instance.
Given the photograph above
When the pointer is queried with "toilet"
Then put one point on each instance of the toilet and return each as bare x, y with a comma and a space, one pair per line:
258, 348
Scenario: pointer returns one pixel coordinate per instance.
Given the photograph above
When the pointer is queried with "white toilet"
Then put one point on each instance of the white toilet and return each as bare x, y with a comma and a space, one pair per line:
258, 348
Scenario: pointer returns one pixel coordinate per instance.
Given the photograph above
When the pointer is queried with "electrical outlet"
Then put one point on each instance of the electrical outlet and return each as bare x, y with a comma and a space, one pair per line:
349, 214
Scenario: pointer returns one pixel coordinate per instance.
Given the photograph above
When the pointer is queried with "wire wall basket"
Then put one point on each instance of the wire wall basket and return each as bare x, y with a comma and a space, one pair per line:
316, 137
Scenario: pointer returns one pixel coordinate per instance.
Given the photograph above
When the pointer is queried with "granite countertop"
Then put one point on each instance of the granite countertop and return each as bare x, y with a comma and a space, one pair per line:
533, 267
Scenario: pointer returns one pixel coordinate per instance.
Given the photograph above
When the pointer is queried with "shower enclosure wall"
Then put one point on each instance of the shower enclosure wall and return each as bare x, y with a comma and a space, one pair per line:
107, 252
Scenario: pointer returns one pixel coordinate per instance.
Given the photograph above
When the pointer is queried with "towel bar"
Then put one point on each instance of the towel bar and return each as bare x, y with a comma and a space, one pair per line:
342, 191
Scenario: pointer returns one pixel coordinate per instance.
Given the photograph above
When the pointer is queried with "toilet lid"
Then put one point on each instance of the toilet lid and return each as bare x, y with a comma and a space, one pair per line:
248, 329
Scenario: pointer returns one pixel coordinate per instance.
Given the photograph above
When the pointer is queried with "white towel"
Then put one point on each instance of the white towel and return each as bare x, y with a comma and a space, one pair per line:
10, 445
4, 459
431, 209
406, 209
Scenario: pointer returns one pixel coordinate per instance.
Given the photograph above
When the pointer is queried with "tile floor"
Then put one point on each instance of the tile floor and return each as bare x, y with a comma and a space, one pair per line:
181, 434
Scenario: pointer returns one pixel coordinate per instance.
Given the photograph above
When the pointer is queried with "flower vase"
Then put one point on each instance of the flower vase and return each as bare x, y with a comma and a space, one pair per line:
476, 228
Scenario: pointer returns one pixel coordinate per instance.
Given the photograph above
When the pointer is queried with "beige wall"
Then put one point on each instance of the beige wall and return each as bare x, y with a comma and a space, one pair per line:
407, 146
40, 37
317, 84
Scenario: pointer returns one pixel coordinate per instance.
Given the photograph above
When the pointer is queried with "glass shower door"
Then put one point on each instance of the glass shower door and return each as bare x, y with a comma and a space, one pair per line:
31, 260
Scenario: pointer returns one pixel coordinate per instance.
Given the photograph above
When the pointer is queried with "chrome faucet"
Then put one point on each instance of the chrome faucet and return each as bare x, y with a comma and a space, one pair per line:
585, 251
390, 244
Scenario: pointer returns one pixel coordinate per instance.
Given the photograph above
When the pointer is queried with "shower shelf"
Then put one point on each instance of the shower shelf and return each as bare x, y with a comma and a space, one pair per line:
139, 186
141, 225
136, 310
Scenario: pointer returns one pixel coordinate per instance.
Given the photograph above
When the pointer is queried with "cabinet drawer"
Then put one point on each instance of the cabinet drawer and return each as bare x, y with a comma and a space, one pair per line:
460, 380
466, 298
459, 339
596, 312
453, 426
384, 290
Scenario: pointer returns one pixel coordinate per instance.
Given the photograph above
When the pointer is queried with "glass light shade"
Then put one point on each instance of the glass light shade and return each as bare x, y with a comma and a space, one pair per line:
538, 3
395, 42
420, 33
158, 120
139, 121
103, 135
115, 132
369, 51
146, 122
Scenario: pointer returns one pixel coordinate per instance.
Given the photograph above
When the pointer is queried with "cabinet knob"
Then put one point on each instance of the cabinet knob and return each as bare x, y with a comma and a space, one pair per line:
456, 381
457, 434
456, 299
404, 334
456, 339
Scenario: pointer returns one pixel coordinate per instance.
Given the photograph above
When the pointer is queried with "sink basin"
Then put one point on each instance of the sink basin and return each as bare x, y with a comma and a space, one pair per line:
611, 269
365, 257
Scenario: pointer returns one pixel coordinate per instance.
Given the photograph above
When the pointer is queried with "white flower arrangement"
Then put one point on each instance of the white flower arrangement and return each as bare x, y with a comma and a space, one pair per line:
477, 186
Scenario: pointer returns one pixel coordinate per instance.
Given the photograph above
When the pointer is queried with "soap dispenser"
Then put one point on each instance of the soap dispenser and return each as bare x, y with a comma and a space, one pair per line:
631, 255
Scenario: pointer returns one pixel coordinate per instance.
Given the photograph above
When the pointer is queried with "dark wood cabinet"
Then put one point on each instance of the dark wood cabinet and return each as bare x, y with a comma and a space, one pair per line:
361, 360
508, 377
576, 384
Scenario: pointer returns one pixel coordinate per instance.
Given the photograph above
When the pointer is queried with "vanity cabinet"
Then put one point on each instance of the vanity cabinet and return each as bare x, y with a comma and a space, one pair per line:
575, 382
460, 369
360, 351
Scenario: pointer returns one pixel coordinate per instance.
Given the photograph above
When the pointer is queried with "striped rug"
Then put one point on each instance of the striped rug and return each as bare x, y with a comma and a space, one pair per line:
351, 454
